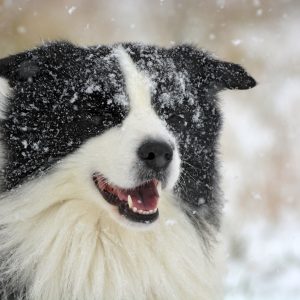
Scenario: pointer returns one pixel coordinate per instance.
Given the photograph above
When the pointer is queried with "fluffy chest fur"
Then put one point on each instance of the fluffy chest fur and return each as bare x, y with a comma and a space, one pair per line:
110, 172
70, 250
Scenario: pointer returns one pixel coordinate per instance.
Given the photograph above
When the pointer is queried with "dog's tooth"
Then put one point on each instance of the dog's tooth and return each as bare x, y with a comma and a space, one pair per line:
134, 209
129, 200
140, 211
159, 188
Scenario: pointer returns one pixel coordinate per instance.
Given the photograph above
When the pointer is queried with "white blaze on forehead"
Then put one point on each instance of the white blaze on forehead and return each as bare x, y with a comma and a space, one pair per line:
137, 83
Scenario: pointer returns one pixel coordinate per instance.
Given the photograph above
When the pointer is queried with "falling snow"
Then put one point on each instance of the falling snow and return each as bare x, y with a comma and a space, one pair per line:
71, 10
263, 39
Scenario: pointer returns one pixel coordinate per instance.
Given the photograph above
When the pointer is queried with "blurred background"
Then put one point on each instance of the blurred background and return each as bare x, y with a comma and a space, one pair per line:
260, 141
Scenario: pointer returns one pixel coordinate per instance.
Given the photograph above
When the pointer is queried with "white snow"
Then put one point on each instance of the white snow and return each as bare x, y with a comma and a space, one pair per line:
21, 29
74, 98
236, 42
259, 12
71, 10
25, 144
268, 267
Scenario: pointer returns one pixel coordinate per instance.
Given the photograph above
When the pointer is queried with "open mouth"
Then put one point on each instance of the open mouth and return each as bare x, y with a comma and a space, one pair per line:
138, 204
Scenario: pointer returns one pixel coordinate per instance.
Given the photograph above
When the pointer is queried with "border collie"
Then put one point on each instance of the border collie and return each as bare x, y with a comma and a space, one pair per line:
109, 186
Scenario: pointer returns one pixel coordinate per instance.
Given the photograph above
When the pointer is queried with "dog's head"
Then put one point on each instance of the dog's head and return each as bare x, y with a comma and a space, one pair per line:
129, 120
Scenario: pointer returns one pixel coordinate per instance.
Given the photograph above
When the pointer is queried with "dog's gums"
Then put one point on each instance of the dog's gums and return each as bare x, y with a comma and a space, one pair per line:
138, 204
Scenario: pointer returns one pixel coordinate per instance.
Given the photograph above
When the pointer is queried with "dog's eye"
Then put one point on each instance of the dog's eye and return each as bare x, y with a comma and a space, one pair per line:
176, 121
174, 118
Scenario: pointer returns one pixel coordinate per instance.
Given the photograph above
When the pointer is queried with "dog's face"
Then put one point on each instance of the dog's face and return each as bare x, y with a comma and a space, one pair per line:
135, 119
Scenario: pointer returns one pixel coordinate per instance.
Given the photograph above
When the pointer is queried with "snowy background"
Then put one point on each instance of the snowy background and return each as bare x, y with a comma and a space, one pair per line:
260, 142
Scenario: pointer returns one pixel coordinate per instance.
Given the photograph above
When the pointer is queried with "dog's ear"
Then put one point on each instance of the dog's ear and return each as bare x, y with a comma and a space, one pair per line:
209, 72
18, 67
5, 66
225, 75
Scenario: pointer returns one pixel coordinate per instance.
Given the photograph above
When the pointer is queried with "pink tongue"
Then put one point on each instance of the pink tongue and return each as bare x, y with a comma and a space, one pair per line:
144, 197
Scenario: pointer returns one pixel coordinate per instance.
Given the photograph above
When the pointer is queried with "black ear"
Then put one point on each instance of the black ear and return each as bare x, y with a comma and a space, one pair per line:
18, 67
210, 72
5, 66
231, 76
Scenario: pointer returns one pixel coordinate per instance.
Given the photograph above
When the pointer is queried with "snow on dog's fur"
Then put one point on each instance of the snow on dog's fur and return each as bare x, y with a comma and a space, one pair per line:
110, 183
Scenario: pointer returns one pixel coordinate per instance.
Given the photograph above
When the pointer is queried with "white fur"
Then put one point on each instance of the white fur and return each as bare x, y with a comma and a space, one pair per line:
69, 247
5, 92
66, 242
137, 84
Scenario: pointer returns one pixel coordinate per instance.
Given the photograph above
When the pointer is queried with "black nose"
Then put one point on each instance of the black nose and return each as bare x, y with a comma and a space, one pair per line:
156, 155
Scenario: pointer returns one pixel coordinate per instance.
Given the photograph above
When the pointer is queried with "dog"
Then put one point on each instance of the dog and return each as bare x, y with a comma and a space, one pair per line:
110, 184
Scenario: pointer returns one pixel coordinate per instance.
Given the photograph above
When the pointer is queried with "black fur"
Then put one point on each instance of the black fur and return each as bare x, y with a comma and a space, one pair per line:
62, 95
